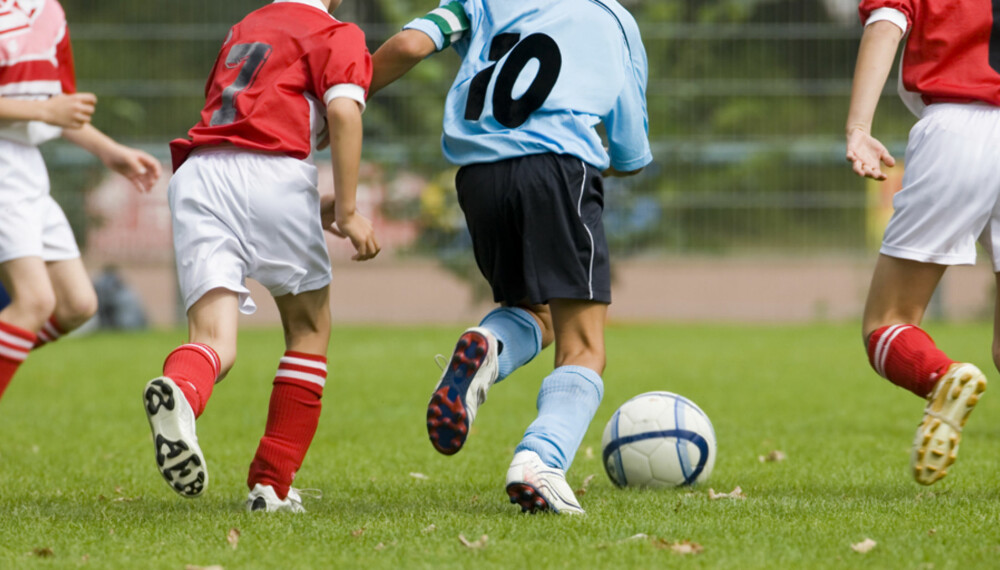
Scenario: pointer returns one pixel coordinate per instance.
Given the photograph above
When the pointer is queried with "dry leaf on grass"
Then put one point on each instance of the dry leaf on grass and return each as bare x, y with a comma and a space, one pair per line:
586, 483
233, 537
420, 476
196, 567
736, 493
358, 532
481, 543
43, 552
931, 532
864, 546
380, 546
772, 456
588, 453
429, 529
680, 547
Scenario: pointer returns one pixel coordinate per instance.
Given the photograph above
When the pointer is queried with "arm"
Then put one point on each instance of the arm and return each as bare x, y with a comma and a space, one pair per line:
612, 172
139, 167
875, 56
66, 111
398, 55
343, 115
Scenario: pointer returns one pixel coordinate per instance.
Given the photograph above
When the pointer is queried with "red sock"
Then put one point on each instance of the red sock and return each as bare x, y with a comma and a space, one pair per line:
15, 343
51, 332
194, 367
291, 421
907, 357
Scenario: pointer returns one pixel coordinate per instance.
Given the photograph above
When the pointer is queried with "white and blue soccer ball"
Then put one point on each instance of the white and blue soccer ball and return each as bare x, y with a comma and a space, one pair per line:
658, 439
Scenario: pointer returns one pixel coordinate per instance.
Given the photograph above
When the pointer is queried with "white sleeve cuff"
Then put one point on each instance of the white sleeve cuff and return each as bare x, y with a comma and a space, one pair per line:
890, 15
429, 28
348, 90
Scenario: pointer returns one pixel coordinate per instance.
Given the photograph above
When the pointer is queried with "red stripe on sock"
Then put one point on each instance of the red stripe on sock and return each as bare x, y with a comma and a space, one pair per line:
907, 356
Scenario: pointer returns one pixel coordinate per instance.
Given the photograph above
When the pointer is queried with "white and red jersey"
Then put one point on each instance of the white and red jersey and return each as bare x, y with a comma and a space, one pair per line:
277, 71
36, 61
953, 50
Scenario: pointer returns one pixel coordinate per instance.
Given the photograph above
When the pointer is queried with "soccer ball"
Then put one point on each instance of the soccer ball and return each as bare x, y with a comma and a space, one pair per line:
658, 439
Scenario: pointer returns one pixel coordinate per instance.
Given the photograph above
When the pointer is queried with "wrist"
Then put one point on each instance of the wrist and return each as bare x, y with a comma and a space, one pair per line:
851, 127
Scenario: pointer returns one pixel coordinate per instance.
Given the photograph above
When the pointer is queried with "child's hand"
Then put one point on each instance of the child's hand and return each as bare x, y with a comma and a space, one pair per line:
69, 111
866, 154
139, 167
359, 230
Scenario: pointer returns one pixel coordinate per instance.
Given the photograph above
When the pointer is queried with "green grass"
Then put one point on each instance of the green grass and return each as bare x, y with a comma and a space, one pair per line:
78, 485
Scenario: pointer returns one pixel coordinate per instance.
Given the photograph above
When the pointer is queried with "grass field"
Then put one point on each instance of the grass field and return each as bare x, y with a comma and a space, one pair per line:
78, 485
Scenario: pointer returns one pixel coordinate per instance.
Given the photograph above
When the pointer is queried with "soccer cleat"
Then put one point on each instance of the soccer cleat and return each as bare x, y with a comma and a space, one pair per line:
462, 389
537, 487
171, 419
950, 403
263, 499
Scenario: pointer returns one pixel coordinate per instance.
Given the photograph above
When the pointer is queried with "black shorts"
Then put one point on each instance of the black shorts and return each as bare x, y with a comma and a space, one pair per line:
536, 228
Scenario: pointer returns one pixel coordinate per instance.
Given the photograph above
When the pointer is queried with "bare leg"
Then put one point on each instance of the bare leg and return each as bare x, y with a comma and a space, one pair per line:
899, 293
579, 333
213, 320
32, 299
76, 301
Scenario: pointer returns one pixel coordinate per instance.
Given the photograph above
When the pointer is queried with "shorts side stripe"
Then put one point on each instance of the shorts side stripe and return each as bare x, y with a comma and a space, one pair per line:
579, 212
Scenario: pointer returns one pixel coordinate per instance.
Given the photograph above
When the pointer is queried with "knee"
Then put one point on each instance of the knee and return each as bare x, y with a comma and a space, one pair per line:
76, 310
34, 306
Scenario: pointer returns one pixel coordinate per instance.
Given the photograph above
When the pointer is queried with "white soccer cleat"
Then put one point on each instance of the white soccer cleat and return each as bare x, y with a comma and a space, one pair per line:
172, 421
537, 487
950, 403
473, 368
263, 499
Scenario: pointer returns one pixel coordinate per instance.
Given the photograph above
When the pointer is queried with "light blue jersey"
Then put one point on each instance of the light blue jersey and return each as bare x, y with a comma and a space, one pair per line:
537, 77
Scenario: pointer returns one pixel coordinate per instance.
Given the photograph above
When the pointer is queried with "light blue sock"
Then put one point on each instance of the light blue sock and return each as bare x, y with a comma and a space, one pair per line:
566, 404
520, 334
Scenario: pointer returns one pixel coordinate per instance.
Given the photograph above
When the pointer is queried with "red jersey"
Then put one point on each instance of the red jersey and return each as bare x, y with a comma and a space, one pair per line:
36, 61
277, 71
953, 50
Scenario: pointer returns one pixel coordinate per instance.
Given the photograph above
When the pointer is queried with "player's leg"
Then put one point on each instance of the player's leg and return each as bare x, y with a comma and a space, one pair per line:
295, 406
32, 300
567, 401
507, 338
176, 399
897, 348
76, 300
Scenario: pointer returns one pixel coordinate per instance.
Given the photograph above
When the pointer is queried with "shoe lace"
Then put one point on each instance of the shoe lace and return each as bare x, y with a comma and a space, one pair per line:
310, 493
441, 361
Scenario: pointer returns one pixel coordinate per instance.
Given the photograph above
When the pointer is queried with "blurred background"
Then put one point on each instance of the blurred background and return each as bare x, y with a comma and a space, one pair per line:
749, 212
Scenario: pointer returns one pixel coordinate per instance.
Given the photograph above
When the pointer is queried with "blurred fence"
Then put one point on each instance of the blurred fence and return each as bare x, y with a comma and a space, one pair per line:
746, 123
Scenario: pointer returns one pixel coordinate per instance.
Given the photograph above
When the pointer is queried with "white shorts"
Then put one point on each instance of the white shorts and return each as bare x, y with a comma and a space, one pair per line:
239, 214
951, 188
31, 223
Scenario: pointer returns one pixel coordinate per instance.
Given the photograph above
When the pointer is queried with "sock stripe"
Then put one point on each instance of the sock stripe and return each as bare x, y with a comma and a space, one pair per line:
882, 348
11, 354
16, 338
51, 329
298, 363
305, 376
209, 353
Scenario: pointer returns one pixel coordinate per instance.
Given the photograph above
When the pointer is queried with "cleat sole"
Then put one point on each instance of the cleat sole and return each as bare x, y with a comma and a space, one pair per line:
527, 498
447, 417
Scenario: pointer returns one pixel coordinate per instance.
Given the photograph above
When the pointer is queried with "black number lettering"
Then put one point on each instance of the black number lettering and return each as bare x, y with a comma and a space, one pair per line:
250, 58
508, 111
995, 38
512, 112
499, 47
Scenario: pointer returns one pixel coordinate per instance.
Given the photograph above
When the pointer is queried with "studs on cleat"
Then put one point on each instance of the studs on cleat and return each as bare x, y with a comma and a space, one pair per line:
160, 397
